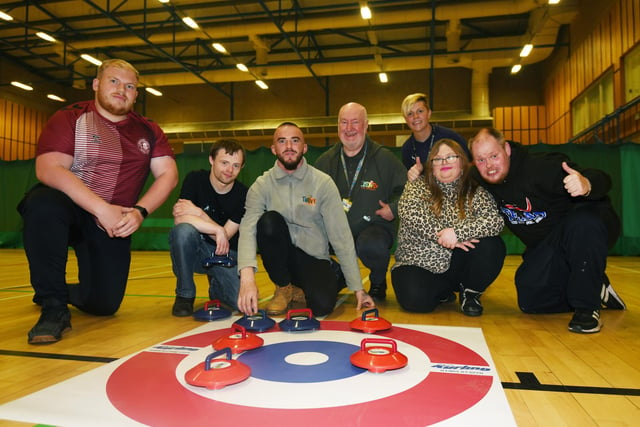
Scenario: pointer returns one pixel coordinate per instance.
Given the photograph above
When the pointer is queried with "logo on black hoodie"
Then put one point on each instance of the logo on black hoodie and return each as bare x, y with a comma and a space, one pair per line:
522, 216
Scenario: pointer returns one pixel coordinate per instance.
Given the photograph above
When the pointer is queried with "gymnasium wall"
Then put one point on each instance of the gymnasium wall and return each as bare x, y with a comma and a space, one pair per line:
594, 44
594, 48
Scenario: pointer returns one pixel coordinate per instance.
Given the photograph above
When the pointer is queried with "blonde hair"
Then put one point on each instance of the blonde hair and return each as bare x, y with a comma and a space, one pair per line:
116, 63
410, 100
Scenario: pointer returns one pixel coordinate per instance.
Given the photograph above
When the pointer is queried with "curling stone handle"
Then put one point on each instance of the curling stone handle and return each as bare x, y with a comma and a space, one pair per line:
214, 302
207, 361
392, 343
306, 311
239, 328
367, 312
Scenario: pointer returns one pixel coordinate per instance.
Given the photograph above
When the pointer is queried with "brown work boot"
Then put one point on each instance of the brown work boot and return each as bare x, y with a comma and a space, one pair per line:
281, 300
298, 300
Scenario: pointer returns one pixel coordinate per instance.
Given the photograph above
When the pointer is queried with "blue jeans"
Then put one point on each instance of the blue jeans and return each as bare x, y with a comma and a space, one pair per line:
188, 248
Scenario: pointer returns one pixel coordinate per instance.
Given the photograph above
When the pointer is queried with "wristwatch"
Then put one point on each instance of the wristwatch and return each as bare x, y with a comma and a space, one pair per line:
142, 210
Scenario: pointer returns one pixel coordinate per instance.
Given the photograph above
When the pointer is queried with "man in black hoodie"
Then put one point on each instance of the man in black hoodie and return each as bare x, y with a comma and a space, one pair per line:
563, 215
370, 179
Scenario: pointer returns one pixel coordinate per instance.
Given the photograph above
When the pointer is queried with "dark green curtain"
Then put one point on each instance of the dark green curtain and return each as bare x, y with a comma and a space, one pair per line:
621, 161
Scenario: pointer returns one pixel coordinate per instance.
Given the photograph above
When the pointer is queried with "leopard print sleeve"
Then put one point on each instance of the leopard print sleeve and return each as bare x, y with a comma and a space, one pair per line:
417, 240
483, 218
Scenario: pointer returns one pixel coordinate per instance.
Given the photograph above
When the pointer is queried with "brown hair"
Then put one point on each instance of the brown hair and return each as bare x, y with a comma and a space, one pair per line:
491, 132
230, 146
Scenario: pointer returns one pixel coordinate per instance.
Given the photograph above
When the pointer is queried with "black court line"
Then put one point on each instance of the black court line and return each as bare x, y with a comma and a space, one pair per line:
58, 356
528, 380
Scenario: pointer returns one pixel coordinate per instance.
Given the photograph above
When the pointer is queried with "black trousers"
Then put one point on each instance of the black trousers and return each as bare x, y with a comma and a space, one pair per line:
53, 223
286, 263
420, 290
373, 246
566, 270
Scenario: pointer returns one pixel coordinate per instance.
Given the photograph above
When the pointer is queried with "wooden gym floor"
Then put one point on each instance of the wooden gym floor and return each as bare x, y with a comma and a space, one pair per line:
551, 377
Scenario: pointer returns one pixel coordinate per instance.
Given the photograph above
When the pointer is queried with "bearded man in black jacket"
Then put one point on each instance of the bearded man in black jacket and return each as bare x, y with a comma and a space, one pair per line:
563, 215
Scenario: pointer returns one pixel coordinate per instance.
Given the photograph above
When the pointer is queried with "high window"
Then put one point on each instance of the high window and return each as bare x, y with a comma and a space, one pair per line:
593, 104
632, 74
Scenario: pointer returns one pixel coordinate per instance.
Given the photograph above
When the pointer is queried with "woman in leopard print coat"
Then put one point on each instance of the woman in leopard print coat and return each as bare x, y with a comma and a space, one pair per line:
449, 236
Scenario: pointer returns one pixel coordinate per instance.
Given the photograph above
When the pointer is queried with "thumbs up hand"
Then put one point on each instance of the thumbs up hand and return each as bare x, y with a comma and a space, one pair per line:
415, 171
575, 183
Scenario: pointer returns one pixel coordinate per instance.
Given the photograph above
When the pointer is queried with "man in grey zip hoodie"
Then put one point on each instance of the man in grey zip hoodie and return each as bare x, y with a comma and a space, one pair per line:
292, 216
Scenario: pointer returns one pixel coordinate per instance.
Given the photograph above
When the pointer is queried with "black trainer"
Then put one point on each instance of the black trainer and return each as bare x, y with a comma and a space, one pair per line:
378, 291
470, 302
609, 298
585, 321
182, 307
450, 297
53, 322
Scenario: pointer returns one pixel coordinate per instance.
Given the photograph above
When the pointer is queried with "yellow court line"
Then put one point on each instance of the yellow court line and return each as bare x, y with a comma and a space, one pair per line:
617, 267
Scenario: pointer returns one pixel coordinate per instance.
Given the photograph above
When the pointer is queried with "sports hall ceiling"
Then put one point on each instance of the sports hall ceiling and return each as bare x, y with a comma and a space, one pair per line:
274, 39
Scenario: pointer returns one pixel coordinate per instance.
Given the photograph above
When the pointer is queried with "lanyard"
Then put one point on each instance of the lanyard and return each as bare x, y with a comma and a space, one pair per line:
355, 175
433, 136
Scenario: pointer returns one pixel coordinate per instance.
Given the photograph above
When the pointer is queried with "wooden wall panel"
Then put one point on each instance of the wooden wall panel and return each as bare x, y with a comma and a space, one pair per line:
593, 57
616, 33
529, 122
525, 125
522, 123
19, 130
515, 123
628, 24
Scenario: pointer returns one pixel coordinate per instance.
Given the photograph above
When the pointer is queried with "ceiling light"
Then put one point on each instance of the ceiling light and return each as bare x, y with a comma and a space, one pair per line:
55, 97
45, 36
219, 47
262, 84
153, 91
554, 1
5, 16
21, 85
365, 12
526, 50
242, 67
89, 58
516, 68
383, 77
164, 1
189, 22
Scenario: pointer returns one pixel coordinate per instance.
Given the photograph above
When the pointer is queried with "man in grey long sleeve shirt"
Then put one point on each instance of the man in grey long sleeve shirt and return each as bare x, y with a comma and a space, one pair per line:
293, 213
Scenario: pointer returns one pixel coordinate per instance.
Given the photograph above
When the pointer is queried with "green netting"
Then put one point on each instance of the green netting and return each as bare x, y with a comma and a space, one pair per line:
621, 161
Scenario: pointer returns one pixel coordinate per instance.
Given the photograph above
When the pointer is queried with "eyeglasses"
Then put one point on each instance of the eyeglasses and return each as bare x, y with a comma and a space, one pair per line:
441, 160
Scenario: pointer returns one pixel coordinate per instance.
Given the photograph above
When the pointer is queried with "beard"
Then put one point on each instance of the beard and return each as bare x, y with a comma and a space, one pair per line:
292, 164
496, 178
119, 109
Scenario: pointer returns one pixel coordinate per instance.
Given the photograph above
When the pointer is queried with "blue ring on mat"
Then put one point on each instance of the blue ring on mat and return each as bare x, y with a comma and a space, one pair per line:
268, 362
